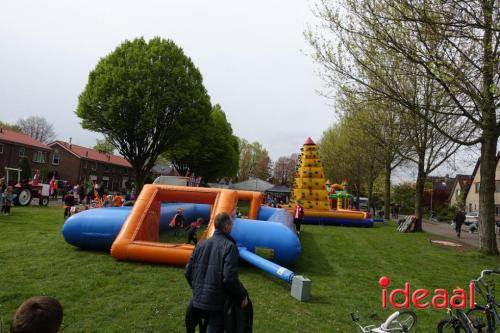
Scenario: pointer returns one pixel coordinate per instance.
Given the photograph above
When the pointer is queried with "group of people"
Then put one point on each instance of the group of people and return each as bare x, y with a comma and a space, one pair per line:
6, 197
179, 222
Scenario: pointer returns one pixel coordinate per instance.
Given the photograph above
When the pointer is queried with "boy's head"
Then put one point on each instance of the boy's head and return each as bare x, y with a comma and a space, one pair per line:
39, 314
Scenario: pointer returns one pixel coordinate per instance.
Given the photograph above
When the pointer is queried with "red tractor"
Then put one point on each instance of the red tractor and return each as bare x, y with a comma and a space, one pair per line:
24, 193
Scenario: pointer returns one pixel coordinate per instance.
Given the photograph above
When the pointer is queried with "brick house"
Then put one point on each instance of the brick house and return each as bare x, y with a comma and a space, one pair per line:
15, 145
76, 164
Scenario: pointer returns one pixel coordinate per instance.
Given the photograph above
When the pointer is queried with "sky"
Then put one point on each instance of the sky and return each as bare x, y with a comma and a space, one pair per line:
253, 57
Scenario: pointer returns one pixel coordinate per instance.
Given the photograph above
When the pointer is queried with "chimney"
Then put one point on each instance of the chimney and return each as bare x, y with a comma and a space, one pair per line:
1, 130
87, 153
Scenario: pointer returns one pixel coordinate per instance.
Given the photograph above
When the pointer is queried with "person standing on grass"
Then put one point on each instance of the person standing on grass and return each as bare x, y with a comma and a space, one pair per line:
298, 216
212, 273
7, 200
192, 229
459, 219
179, 221
69, 201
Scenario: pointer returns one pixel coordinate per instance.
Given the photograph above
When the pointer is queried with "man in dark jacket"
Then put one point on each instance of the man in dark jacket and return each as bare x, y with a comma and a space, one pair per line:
212, 273
459, 219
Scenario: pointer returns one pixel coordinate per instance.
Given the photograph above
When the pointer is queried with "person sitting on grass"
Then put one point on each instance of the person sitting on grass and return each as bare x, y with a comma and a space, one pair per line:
40, 314
192, 229
7, 200
69, 201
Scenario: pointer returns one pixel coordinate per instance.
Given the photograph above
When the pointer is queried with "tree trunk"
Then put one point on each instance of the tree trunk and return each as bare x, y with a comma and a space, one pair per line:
387, 191
370, 196
419, 197
488, 243
140, 178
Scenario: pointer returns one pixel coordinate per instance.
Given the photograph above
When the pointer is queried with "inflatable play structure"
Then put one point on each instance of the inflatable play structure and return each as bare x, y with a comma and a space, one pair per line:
323, 203
267, 239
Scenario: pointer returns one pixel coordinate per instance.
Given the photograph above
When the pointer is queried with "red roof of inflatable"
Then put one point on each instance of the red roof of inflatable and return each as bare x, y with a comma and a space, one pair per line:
309, 142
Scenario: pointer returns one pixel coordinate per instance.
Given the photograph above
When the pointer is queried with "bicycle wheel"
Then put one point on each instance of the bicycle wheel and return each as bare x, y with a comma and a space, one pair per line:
405, 322
479, 320
450, 325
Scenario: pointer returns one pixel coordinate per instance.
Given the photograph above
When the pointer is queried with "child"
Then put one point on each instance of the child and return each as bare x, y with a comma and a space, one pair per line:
7, 200
39, 314
191, 231
117, 201
69, 201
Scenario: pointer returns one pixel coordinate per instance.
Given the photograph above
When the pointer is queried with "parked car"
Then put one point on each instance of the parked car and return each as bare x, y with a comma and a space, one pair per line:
472, 217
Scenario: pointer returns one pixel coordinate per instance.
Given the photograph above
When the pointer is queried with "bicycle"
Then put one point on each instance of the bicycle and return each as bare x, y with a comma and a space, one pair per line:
399, 321
457, 323
472, 321
487, 316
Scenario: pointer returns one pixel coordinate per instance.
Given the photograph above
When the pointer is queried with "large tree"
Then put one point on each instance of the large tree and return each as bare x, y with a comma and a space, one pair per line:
37, 127
136, 95
454, 43
210, 149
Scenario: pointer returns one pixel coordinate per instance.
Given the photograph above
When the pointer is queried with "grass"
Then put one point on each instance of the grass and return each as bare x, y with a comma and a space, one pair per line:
100, 294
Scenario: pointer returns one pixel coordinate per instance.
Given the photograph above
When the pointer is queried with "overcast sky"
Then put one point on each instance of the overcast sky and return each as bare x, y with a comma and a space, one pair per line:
252, 55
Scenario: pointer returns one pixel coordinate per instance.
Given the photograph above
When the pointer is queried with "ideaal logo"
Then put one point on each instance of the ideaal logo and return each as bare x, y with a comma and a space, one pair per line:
422, 298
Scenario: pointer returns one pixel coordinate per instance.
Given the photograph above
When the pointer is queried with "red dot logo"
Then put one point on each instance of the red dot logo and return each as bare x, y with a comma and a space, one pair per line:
384, 282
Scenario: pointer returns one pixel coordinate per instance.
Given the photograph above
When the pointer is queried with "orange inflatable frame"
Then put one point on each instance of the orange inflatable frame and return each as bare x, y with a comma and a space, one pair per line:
138, 239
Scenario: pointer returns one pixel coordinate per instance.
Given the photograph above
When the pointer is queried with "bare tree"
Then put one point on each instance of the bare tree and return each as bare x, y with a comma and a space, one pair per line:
454, 43
284, 169
38, 128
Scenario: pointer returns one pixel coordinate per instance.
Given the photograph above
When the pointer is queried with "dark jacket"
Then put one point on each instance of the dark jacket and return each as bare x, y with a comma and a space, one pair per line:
212, 273
236, 318
459, 218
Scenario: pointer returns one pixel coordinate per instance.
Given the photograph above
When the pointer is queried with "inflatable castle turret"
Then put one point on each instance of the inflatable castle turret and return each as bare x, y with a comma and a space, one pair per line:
309, 183
310, 188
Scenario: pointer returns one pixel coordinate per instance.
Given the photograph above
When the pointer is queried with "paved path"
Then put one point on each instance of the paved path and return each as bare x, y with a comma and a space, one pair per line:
445, 230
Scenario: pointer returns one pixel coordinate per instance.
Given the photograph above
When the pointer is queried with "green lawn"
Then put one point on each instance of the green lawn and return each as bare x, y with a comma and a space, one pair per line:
100, 294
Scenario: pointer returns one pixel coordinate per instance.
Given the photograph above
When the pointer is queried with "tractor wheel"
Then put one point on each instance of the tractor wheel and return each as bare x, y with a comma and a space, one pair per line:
44, 201
24, 197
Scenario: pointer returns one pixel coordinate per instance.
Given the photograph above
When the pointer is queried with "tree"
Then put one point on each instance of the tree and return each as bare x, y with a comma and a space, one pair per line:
263, 166
11, 127
211, 151
136, 97
284, 170
454, 43
350, 154
104, 146
254, 161
38, 128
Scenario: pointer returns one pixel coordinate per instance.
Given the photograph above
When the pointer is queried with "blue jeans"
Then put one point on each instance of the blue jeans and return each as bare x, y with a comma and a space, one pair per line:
214, 320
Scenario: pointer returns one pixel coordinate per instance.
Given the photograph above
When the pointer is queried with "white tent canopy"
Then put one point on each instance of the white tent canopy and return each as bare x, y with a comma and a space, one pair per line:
252, 184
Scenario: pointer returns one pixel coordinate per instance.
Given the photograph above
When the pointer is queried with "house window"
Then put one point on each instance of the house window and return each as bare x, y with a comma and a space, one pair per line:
497, 210
94, 166
497, 186
476, 186
470, 207
1, 148
85, 165
56, 157
39, 156
21, 152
